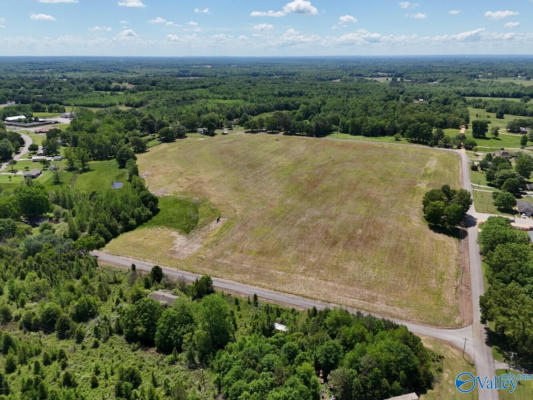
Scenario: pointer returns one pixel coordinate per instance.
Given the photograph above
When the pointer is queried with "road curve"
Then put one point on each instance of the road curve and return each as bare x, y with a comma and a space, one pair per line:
25, 150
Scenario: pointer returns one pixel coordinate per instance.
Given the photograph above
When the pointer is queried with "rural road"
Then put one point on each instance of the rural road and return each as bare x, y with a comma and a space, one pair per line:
25, 150
472, 338
482, 353
453, 336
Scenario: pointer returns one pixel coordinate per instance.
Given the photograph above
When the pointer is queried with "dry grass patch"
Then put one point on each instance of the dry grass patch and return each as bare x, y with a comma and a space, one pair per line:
452, 364
335, 220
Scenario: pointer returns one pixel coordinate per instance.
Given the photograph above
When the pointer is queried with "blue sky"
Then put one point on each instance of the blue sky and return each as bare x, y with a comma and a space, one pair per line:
264, 28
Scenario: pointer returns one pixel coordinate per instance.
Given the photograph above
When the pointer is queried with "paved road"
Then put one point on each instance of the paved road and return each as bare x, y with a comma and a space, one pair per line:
482, 353
25, 150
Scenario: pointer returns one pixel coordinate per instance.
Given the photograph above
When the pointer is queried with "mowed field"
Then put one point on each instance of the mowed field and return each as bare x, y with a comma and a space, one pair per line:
339, 221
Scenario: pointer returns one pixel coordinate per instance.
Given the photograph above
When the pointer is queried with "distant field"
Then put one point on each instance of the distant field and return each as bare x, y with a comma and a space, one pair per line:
336, 220
491, 143
495, 98
517, 81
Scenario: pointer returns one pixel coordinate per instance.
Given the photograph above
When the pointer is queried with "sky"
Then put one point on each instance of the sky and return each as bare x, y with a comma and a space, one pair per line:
178, 28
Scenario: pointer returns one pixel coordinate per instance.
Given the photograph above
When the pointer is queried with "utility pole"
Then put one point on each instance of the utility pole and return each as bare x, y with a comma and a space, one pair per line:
464, 348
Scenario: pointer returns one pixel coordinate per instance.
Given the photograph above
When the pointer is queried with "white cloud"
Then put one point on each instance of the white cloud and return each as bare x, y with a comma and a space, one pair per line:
347, 19
407, 4
192, 23
158, 20
454, 12
161, 20
462, 37
497, 15
418, 16
2, 22
300, 7
294, 7
263, 27
513, 24
127, 34
201, 10
98, 28
268, 13
42, 17
123, 22
58, 1
132, 3
344, 21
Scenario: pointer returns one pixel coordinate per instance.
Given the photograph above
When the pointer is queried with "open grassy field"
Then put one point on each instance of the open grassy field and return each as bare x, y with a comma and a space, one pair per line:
484, 202
505, 140
494, 98
339, 221
524, 390
514, 80
452, 363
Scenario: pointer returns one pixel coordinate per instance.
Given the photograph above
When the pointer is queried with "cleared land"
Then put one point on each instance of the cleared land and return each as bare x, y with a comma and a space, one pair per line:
452, 364
339, 221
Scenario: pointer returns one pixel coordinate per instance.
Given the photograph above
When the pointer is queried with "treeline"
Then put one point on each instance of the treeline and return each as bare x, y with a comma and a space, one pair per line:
504, 107
10, 143
508, 303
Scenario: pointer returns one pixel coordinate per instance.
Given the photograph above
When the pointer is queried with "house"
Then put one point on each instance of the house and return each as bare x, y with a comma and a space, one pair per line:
57, 158
202, 131
280, 327
32, 174
503, 154
38, 158
529, 187
410, 396
524, 130
68, 115
45, 129
525, 208
16, 118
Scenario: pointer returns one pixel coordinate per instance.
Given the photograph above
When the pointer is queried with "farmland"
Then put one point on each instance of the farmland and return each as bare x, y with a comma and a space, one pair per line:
334, 220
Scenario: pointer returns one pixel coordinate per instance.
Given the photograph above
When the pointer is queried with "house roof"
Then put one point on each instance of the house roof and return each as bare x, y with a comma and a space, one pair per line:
33, 173
524, 207
15, 118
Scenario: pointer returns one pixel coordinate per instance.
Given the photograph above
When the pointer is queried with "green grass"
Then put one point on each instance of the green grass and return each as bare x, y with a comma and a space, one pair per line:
494, 98
452, 364
38, 139
484, 203
337, 220
478, 178
45, 114
100, 176
175, 213
524, 390
516, 81
379, 139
